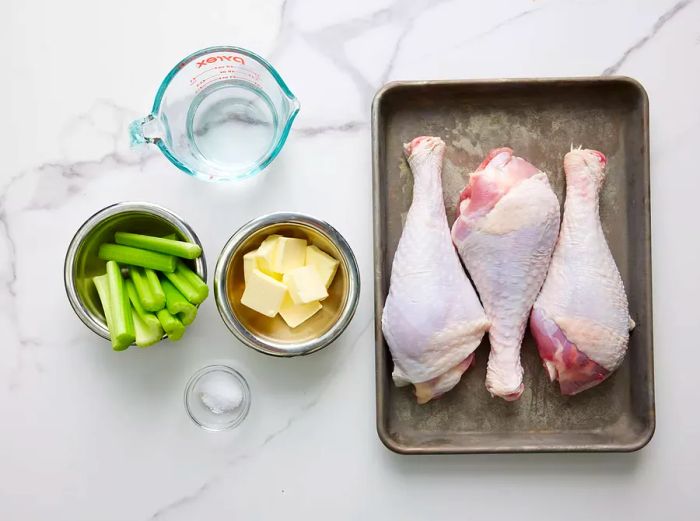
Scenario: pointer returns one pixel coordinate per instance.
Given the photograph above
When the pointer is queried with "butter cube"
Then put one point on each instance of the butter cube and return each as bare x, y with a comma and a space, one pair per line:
263, 293
305, 285
250, 262
296, 314
325, 265
266, 253
289, 254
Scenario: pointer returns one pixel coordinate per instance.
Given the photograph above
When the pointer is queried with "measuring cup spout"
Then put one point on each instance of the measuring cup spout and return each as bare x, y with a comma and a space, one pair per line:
145, 130
294, 108
294, 104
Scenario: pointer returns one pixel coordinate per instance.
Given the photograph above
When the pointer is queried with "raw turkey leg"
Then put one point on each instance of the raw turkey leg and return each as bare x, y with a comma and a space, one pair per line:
432, 318
580, 320
505, 232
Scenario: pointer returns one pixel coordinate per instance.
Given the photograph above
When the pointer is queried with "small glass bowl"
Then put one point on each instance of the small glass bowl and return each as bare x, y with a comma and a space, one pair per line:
201, 414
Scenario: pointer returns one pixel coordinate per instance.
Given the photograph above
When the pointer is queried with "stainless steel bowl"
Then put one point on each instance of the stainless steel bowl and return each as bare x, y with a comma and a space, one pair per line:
272, 336
82, 262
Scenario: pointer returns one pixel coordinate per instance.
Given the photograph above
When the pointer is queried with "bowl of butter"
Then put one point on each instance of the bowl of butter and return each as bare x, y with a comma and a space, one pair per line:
287, 284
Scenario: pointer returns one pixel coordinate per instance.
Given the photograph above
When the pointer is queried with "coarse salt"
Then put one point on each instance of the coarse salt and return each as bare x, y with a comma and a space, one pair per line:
221, 394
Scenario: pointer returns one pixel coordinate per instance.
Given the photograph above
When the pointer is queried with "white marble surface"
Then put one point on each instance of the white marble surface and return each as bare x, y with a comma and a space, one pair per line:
89, 434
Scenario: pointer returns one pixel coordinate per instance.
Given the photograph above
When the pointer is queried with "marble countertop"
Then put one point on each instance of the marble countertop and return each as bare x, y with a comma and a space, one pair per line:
89, 434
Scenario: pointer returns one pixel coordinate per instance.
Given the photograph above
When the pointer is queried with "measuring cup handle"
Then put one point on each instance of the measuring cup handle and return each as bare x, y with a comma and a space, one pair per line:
139, 128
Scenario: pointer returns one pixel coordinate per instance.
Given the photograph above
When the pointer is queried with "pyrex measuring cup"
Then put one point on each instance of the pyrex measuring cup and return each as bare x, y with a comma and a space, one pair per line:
221, 113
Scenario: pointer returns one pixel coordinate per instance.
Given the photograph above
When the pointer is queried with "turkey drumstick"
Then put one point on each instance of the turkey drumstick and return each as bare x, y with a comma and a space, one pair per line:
432, 319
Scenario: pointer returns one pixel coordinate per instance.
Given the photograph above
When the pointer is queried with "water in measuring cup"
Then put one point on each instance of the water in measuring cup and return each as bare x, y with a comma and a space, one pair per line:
232, 125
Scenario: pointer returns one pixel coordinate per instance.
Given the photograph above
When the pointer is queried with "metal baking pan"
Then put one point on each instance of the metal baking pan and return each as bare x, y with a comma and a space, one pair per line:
540, 119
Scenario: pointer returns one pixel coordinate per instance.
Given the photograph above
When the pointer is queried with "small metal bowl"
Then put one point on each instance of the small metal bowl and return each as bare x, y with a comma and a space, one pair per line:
273, 336
82, 262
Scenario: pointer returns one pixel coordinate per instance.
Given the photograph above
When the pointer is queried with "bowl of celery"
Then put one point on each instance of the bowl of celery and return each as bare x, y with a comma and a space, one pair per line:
135, 274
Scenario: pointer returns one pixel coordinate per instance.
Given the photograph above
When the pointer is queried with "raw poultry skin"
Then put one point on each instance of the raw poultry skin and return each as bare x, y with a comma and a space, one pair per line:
505, 232
580, 320
432, 319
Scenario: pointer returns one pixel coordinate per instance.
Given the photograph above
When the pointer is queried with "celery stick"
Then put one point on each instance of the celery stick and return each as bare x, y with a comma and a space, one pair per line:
187, 316
201, 290
102, 287
192, 277
172, 325
186, 250
122, 331
156, 289
177, 335
178, 305
171, 236
143, 289
127, 309
137, 257
184, 287
146, 335
149, 319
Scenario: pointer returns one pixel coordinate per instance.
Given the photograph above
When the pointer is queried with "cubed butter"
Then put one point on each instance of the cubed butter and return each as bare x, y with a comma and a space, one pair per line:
266, 253
289, 254
250, 262
263, 293
296, 314
325, 265
305, 285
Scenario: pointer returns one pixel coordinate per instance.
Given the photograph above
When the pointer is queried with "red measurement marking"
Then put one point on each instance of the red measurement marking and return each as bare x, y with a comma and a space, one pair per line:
227, 69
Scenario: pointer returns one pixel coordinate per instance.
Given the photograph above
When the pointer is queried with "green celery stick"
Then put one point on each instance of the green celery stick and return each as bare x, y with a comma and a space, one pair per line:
184, 287
172, 325
178, 305
102, 287
171, 236
122, 331
127, 310
177, 335
137, 257
156, 289
193, 278
143, 289
146, 334
193, 287
186, 250
187, 317
149, 319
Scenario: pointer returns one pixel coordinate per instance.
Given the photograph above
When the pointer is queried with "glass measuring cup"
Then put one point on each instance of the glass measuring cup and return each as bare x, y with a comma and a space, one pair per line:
221, 113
